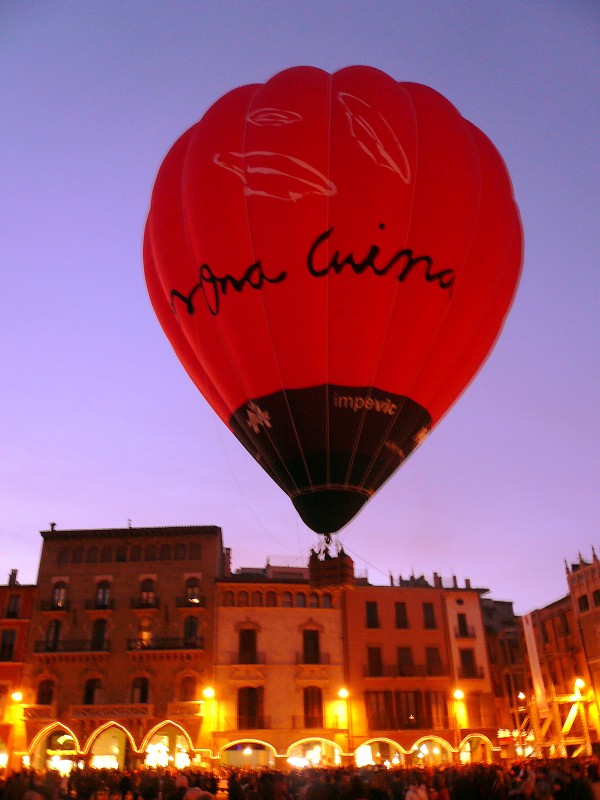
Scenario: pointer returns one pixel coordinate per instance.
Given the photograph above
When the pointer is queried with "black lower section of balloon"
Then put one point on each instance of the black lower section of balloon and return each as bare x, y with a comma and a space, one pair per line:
330, 447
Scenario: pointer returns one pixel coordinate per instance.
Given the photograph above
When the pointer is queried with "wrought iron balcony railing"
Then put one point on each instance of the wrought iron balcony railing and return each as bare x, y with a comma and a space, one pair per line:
167, 643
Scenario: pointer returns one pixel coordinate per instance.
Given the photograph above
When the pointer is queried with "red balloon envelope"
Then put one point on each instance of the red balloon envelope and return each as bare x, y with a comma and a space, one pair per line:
332, 258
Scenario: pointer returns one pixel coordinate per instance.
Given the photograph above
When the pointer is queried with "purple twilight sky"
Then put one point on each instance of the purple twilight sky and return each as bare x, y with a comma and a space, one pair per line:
99, 424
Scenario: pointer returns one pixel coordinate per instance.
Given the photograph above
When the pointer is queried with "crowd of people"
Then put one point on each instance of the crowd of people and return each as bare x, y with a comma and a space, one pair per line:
556, 779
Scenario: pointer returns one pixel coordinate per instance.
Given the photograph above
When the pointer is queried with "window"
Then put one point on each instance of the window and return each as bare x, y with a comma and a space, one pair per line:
135, 554
106, 554
401, 615
247, 646
313, 600
150, 552
121, 553
139, 690
190, 632
102, 594
99, 635
405, 662
250, 707
189, 689
286, 600
63, 555
147, 596
372, 615
300, 600
52, 635
77, 556
379, 707
91, 692
564, 624
468, 668
7, 645
310, 647
45, 693
91, 555
271, 599
463, 628
374, 662
583, 602
180, 552
59, 595
192, 589
313, 707
436, 710
409, 710
433, 661
195, 551
428, 616
257, 598
228, 598
596, 597
165, 552
243, 599
326, 601
14, 606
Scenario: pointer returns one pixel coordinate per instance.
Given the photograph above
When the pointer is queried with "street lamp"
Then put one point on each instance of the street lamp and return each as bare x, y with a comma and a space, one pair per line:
459, 712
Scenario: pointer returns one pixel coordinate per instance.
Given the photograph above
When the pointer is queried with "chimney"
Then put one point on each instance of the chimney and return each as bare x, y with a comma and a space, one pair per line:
454, 582
437, 581
226, 562
467, 583
12, 577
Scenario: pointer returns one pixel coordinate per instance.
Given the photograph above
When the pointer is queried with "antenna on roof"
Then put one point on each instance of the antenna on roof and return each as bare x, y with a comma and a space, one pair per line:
129, 523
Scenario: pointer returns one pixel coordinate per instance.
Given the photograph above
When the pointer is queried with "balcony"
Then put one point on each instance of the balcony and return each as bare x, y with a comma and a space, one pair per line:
470, 672
250, 723
189, 708
39, 712
72, 646
191, 602
144, 602
99, 605
166, 643
464, 632
55, 605
313, 658
247, 658
112, 711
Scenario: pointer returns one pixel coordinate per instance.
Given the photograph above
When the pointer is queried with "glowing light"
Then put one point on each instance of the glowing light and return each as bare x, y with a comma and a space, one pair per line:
247, 751
521, 695
396, 759
424, 749
61, 765
364, 756
17, 697
458, 694
386, 764
343, 693
104, 762
298, 762
436, 751
3, 760
579, 683
208, 692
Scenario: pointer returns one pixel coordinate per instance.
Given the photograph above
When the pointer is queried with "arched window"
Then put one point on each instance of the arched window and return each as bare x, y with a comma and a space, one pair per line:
313, 707
271, 599
250, 707
179, 552
139, 690
63, 555
164, 552
257, 598
326, 601
106, 554
192, 589
77, 555
59, 595
195, 551
228, 598
243, 599
91, 555
300, 600
188, 689
91, 692
313, 601
135, 554
52, 635
99, 635
190, 631
150, 552
45, 693
286, 600
121, 553
102, 594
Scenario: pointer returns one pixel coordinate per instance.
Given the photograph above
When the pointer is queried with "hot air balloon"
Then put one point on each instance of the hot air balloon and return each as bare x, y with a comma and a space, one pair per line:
332, 258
